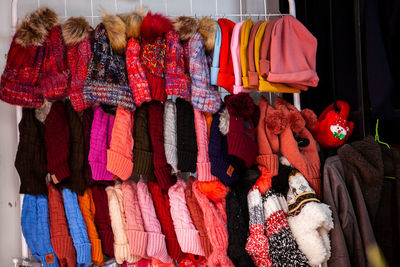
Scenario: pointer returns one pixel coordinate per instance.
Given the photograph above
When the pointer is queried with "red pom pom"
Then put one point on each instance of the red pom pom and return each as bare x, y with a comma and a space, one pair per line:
240, 105
296, 121
276, 121
310, 117
154, 25
213, 190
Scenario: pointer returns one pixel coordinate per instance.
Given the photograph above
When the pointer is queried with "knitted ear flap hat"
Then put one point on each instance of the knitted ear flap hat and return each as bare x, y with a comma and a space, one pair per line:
309, 220
226, 78
20, 79
170, 135
107, 81
253, 76
235, 51
295, 65
153, 30
214, 70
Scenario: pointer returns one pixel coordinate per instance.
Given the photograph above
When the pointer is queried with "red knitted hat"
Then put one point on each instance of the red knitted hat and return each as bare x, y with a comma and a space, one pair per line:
55, 75
226, 78
153, 30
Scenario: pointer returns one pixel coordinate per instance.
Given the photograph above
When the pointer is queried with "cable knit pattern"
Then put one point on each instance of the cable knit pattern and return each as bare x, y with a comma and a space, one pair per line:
118, 224
188, 236
156, 246
88, 210
77, 227
120, 156
215, 222
170, 135
137, 237
137, 77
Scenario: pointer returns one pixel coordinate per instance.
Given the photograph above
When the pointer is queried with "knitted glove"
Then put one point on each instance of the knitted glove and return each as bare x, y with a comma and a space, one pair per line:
135, 233
57, 137
60, 238
170, 135
119, 155
77, 227
188, 236
162, 170
162, 207
156, 246
102, 219
88, 210
137, 76
122, 251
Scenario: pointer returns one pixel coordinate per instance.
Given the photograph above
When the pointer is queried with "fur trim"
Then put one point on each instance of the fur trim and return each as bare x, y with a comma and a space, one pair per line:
240, 105
214, 190
224, 121
75, 30
116, 31
133, 21
296, 121
208, 29
310, 117
34, 29
186, 26
41, 113
276, 121
154, 25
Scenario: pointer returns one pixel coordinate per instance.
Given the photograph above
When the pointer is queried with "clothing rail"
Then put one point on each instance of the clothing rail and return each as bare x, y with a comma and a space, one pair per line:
193, 13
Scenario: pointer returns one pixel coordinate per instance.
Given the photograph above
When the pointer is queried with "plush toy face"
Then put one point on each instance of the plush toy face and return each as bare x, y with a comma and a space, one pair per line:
338, 131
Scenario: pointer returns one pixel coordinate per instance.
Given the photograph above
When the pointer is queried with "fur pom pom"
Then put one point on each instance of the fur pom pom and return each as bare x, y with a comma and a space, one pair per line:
34, 29
116, 31
154, 25
208, 30
186, 26
276, 121
224, 121
310, 117
240, 105
296, 121
75, 30
133, 21
213, 190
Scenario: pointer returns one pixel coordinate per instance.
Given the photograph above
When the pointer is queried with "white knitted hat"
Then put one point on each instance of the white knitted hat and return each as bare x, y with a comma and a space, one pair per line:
170, 137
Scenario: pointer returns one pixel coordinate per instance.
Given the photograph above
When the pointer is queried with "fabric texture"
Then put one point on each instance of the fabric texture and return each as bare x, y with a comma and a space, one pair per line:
244, 46
214, 70
87, 119
237, 64
253, 77
226, 77
170, 135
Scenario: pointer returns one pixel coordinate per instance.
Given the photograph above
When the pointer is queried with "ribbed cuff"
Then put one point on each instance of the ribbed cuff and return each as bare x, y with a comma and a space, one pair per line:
137, 242
157, 87
171, 155
253, 78
55, 86
122, 254
119, 165
143, 162
83, 253
100, 173
189, 241
238, 148
270, 162
97, 253
264, 68
226, 81
204, 172
107, 241
48, 260
64, 248
157, 248
225, 172
61, 171
187, 161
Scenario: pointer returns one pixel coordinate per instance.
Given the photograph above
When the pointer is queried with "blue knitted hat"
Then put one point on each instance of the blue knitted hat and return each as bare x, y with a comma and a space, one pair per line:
215, 61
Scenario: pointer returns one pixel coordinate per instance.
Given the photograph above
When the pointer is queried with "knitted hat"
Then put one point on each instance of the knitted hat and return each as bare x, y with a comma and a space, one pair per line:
257, 242
293, 54
215, 62
87, 119
30, 160
253, 76
60, 238
305, 159
244, 48
235, 51
197, 217
76, 33
98, 145
283, 249
142, 153
54, 75
76, 180
156, 246
153, 30
186, 136
205, 97
225, 75
122, 250
135, 233
20, 79
35, 228
170, 135
241, 136
266, 157
107, 81
88, 210
221, 164
309, 220
215, 222
177, 82
102, 219
119, 155
262, 55
162, 170
162, 207
188, 236
137, 77
77, 227
57, 137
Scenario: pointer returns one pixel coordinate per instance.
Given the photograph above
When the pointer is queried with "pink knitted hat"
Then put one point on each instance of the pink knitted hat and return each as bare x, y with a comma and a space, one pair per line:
215, 222
293, 54
156, 246
119, 155
188, 236
137, 237
235, 51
